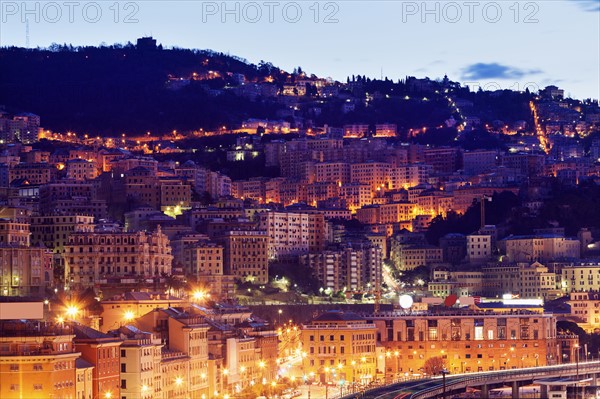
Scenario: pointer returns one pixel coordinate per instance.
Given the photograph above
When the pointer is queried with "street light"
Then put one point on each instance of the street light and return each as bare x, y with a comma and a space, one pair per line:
128, 316
576, 346
444, 372
72, 311
353, 363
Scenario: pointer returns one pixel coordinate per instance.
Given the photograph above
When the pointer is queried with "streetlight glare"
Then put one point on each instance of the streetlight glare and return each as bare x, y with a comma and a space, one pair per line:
72, 310
198, 295
129, 315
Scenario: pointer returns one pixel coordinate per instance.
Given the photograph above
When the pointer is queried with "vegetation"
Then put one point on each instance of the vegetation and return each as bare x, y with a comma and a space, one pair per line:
434, 365
110, 90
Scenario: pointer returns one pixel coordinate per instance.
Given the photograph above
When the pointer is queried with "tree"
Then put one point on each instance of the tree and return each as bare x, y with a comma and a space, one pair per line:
434, 365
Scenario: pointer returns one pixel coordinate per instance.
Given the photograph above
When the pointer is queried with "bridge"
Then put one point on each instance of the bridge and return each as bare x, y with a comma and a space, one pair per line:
569, 376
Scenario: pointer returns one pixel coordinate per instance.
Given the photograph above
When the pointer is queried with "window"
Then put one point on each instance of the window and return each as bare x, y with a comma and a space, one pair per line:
123, 384
123, 368
123, 353
37, 387
14, 367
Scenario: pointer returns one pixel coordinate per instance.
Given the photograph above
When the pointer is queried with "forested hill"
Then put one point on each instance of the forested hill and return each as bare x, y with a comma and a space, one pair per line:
122, 88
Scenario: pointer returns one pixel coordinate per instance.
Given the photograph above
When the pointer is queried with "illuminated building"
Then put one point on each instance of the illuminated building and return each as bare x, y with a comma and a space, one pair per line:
543, 247
579, 276
386, 213
203, 258
385, 130
141, 186
585, 307
25, 271
321, 191
37, 360
408, 256
375, 174
458, 283
405, 176
175, 196
203, 261
102, 351
355, 131
53, 231
84, 387
479, 247
140, 363
293, 233
34, 173
90, 257
127, 164
356, 195
121, 309
467, 340
338, 172
184, 358
246, 255
81, 169
352, 268
340, 346
15, 233
523, 279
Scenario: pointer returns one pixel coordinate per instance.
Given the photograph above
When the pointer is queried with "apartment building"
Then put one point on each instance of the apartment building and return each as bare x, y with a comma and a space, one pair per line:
184, 357
337, 172
140, 363
585, 306
37, 360
246, 255
542, 248
122, 309
479, 248
340, 346
91, 256
25, 271
579, 276
408, 256
102, 351
15, 233
351, 268
375, 174
53, 231
293, 233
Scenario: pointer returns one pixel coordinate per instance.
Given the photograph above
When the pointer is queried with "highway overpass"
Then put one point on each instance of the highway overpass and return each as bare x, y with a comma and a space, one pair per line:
573, 375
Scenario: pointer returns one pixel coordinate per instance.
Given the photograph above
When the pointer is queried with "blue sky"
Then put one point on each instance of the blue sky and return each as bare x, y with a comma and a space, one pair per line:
501, 44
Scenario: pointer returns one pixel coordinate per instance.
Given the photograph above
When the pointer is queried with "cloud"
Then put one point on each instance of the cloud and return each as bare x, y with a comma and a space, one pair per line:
588, 5
495, 71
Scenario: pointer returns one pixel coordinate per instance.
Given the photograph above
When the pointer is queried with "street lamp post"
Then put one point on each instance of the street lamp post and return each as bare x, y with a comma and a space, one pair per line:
353, 363
576, 346
444, 372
